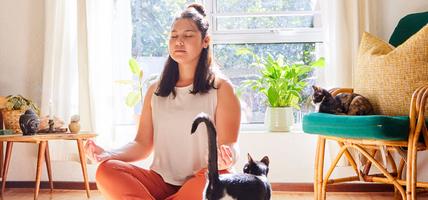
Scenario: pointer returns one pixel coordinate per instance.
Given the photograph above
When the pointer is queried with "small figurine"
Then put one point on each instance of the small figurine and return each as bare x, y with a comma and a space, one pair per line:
29, 122
74, 125
44, 122
51, 125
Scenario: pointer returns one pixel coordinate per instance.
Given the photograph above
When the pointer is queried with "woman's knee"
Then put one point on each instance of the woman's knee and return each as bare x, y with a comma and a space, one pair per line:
107, 170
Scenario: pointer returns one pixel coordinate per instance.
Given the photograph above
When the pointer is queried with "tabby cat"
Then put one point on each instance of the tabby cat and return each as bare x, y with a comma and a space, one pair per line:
341, 104
251, 185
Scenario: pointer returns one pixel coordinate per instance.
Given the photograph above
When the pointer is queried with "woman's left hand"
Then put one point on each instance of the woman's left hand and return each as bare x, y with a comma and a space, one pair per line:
225, 157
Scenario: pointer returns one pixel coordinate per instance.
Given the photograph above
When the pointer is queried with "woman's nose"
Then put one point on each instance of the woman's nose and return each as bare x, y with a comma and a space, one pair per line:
179, 42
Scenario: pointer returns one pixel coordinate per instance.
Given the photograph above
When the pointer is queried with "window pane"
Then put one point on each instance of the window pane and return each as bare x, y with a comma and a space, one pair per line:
272, 22
238, 68
151, 22
251, 6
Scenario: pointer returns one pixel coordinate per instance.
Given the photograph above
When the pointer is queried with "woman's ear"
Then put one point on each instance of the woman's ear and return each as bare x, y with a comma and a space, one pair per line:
206, 41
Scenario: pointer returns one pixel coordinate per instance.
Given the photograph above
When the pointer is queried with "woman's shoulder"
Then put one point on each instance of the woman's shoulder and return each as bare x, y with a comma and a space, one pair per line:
224, 85
220, 79
153, 86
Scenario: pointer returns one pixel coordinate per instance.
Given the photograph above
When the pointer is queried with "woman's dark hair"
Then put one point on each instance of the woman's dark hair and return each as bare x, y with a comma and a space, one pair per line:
204, 75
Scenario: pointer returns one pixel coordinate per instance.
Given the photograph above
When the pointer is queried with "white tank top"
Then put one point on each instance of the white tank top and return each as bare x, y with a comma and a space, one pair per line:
177, 153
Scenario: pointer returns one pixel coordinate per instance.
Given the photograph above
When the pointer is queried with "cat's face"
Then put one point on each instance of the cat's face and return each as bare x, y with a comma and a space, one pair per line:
257, 167
318, 95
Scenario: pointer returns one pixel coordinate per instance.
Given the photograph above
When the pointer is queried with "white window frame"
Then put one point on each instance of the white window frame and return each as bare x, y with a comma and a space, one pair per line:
260, 36
285, 35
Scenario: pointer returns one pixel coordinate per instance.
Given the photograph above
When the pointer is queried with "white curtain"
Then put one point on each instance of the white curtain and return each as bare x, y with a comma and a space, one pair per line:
343, 23
87, 44
104, 50
60, 69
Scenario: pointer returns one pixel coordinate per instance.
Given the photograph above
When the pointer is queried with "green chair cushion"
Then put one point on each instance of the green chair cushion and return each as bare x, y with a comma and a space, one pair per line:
407, 26
380, 127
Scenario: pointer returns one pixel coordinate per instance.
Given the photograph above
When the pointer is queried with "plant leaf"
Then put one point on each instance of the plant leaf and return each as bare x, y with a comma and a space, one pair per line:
140, 75
133, 98
319, 63
272, 95
135, 68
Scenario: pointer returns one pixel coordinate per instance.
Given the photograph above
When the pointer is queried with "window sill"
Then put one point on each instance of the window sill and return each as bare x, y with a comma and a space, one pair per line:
260, 128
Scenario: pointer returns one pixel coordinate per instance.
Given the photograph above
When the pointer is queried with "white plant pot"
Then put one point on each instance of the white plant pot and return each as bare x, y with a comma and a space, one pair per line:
279, 118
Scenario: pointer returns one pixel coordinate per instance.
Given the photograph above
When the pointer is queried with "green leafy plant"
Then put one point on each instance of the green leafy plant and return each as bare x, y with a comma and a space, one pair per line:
18, 102
135, 95
279, 81
137, 84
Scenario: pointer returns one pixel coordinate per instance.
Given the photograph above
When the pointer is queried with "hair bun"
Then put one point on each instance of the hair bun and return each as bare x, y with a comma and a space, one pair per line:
199, 8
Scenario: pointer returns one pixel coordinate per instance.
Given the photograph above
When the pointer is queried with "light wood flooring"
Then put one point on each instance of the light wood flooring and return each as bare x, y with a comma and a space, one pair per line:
22, 194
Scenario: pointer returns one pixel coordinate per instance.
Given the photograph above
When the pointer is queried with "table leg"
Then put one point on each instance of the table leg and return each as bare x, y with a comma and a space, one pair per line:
48, 166
42, 150
1, 159
6, 165
83, 164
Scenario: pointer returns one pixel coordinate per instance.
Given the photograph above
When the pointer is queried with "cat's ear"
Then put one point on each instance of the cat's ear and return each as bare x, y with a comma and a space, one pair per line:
326, 92
265, 160
314, 87
250, 160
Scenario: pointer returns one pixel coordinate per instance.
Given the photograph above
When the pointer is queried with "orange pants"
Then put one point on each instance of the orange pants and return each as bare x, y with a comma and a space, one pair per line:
119, 180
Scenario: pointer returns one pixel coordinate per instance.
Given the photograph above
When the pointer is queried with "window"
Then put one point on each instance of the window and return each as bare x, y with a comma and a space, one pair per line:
288, 27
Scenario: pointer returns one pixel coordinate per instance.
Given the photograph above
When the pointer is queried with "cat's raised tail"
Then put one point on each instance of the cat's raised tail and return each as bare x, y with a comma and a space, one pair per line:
212, 146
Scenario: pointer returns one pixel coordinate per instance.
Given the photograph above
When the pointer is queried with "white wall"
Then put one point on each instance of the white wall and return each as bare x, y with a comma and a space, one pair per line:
21, 61
21, 47
391, 11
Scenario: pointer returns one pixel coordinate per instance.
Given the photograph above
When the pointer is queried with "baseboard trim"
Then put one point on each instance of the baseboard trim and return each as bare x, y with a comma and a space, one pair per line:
343, 187
281, 187
65, 185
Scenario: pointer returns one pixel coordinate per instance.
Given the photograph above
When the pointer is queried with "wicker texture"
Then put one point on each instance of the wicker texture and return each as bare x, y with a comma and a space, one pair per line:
388, 76
11, 120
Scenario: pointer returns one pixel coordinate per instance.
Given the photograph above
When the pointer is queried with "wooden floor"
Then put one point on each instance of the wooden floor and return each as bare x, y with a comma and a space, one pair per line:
22, 194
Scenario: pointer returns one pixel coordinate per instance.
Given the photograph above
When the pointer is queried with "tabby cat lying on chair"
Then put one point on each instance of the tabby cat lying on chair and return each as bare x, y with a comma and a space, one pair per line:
341, 104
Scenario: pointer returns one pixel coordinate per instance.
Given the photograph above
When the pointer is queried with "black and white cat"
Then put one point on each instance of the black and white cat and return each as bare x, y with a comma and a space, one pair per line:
251, 185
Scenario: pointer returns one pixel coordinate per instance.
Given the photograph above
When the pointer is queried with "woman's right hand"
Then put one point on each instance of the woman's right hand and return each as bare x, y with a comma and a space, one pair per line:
95, 152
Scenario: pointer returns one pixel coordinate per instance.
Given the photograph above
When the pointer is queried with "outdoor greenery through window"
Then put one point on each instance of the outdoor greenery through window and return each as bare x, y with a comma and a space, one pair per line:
278, 27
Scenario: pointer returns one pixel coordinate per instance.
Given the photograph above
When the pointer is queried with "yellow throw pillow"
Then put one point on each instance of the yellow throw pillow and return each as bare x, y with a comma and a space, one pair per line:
388, 76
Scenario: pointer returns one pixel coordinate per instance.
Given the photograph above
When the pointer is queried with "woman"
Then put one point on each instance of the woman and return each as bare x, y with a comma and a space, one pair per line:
188, 85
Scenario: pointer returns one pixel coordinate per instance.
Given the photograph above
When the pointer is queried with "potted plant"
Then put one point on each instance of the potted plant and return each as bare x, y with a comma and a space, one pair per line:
15, 106
134, 98
135, 95
282, 84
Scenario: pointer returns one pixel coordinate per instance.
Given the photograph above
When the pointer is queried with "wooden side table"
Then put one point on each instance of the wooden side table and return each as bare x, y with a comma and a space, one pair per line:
42, 140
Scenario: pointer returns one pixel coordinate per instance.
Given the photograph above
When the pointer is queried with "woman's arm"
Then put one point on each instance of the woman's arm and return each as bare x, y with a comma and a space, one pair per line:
136, 150
227, 118
142, 146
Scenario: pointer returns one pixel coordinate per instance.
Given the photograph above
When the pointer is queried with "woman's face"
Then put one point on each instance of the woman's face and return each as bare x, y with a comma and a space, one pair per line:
185, 42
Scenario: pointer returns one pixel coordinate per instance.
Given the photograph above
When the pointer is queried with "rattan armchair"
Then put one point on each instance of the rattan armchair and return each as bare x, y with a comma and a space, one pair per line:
396, 138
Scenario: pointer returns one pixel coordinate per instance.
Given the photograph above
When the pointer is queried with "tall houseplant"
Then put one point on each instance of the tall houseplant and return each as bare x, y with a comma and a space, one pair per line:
282, 84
